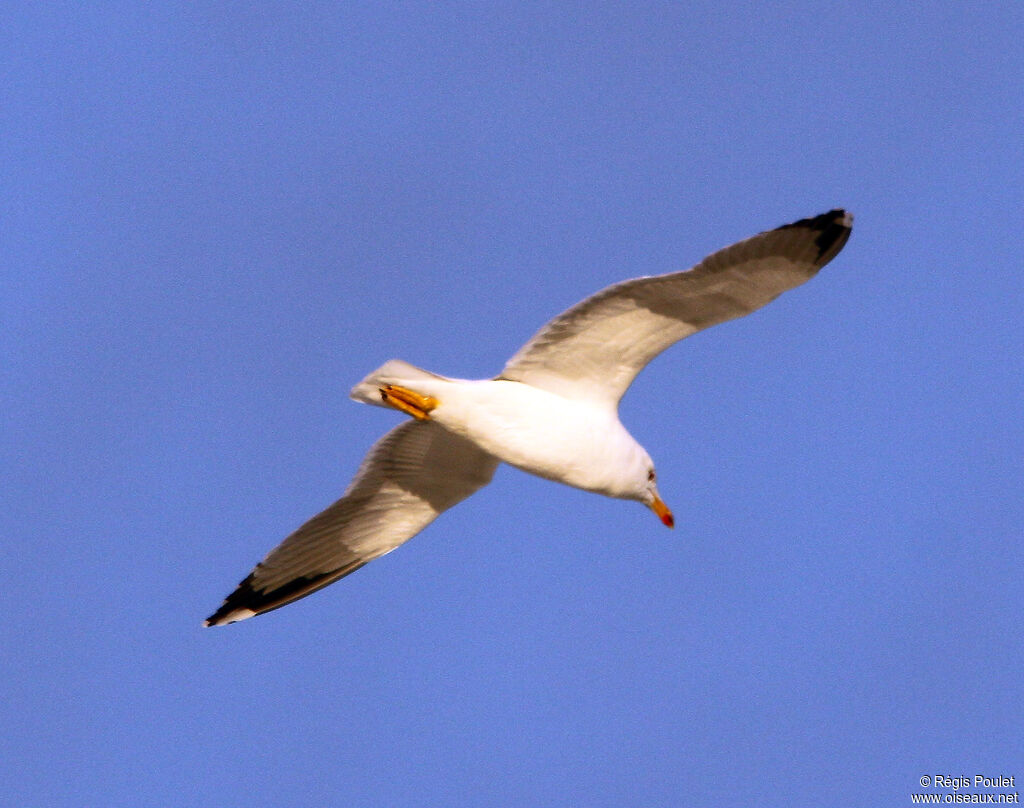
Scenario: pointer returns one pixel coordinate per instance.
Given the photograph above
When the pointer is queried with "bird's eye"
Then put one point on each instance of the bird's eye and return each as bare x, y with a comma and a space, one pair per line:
650, 476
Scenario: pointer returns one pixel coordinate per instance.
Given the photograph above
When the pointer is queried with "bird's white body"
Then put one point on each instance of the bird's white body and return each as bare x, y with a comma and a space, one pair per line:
578, 442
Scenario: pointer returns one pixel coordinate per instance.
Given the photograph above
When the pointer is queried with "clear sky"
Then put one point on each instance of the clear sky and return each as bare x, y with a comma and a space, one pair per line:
216, 217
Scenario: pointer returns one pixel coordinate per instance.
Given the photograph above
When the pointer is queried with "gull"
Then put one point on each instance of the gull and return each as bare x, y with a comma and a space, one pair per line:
552, 411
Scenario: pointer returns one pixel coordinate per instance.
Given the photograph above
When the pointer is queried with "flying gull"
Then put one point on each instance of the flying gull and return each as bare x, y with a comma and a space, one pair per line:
553, 411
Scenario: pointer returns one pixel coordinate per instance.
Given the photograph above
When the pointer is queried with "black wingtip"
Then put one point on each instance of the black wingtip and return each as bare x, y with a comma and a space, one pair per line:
243, 599
833, 229
246, 601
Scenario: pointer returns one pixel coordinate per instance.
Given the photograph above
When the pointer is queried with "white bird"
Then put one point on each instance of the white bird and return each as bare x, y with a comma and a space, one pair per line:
553, 411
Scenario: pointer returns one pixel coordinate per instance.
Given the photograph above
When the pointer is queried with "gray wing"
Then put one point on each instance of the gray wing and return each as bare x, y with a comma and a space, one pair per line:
595, 349
412, 474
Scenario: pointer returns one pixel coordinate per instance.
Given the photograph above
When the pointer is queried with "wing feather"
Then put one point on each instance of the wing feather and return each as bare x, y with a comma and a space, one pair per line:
408, 478
595, 349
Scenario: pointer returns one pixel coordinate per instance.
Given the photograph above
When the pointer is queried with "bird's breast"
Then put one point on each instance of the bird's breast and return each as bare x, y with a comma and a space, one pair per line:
576, 442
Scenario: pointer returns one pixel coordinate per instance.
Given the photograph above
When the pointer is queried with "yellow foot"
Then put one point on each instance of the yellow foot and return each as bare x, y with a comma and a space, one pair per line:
404, 399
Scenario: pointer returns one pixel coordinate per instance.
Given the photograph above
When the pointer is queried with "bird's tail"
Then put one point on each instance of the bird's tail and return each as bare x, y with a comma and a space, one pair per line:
394, 371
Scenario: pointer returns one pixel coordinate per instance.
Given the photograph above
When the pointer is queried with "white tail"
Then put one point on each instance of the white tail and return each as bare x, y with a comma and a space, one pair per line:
394, 371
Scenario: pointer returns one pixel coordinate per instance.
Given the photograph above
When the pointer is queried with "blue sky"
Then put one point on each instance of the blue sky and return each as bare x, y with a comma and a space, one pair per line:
216, 218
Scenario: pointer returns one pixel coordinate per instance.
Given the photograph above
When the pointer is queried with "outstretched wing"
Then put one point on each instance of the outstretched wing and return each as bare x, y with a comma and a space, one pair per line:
595, 349
412, 474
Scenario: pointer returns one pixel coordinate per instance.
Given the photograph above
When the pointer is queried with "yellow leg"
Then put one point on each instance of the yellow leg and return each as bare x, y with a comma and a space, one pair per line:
404, 399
